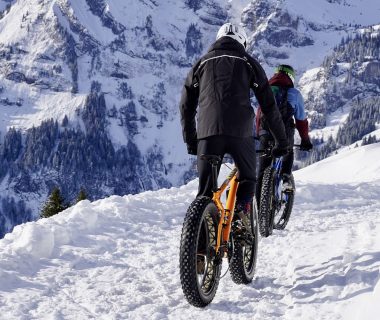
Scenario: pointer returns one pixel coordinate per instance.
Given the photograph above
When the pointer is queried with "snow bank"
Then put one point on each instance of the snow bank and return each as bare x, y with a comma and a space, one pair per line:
349, 166
39, 239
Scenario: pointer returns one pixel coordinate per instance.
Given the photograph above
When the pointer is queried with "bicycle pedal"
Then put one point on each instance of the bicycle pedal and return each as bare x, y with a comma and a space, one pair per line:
238, 225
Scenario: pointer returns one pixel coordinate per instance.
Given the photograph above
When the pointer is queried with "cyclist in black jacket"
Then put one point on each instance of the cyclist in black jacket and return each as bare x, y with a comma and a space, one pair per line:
218, 87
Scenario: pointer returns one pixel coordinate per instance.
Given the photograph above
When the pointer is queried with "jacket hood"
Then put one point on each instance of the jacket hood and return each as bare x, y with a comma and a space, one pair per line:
281, 79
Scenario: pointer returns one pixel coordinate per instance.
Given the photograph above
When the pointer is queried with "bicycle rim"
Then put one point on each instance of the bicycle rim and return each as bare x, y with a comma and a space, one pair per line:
206, 280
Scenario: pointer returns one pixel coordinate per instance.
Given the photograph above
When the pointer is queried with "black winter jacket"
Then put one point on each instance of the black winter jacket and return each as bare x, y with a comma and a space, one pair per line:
220, 84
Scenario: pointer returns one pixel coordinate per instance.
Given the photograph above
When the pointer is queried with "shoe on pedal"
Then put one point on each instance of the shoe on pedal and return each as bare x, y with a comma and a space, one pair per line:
241, 217
241, 226
287, 185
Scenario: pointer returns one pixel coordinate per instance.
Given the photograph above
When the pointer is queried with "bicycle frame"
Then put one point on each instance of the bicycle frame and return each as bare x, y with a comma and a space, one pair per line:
227, 212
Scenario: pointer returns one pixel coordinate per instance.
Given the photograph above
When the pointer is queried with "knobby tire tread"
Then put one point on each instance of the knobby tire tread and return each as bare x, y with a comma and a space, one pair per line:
266, 203
188, 248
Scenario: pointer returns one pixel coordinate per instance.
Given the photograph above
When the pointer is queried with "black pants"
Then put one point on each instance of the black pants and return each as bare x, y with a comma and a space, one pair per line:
242, 151
264, 162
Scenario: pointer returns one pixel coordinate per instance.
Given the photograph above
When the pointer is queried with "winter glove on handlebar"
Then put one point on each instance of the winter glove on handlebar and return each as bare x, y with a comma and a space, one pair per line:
306, 145
192, 148
280, 150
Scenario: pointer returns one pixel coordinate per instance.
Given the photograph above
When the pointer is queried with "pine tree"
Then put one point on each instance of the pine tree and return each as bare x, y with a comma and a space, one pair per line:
81, 196
65, 121
54, 204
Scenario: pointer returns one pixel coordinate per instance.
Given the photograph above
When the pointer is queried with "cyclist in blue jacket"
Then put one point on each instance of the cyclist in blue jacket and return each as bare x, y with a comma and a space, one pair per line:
292, 109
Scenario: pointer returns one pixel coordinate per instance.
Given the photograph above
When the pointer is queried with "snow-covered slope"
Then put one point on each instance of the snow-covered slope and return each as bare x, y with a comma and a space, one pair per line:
117, 258
350, 166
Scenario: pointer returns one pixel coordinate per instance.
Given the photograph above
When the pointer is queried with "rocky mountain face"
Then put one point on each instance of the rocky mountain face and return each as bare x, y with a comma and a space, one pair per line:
349, 74
349, 89
89, 90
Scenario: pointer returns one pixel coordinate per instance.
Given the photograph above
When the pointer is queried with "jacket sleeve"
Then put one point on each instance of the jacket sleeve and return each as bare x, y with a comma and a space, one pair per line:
303, 129
299, 112
267, 102
302, 124
188, 106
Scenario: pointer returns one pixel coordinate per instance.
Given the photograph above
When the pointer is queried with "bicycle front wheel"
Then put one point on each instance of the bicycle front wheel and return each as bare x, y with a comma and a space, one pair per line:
285, 206
200, 267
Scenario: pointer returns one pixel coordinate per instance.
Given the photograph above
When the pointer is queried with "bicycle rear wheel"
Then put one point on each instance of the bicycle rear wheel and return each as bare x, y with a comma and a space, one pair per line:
267, 202
244, 251
200, 267
284, 207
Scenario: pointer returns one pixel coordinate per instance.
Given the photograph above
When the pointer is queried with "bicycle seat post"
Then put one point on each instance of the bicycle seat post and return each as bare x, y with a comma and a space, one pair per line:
213, 160
214, 175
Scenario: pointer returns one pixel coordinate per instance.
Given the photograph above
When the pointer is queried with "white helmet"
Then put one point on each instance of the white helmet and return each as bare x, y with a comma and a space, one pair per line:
233, 31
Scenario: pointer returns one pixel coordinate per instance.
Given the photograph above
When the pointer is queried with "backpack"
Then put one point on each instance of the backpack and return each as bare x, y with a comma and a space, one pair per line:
285, 108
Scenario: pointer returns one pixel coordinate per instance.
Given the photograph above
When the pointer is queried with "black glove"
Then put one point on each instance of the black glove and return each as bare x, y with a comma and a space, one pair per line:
280, 150
306, 145
192, 148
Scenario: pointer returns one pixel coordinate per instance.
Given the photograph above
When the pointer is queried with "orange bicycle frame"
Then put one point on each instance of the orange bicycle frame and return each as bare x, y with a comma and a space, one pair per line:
227, 213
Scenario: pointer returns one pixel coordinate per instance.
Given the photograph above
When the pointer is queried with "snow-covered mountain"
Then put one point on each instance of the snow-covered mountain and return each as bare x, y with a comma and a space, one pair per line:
91, 88
117, 258
335, 47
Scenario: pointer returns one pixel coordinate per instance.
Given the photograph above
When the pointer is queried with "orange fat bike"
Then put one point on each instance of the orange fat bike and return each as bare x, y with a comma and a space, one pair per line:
211, 232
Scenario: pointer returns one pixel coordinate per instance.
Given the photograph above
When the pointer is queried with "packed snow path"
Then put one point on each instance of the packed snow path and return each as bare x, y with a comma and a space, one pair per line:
117, 258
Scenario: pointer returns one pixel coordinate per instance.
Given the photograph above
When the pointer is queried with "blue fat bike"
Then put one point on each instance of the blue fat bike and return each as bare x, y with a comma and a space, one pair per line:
276, 204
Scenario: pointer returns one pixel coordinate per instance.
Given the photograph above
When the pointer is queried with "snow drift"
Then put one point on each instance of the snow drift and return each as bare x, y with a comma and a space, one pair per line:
117, 258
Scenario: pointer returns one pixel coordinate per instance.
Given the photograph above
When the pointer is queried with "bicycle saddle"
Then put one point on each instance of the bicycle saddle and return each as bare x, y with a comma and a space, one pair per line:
211, 158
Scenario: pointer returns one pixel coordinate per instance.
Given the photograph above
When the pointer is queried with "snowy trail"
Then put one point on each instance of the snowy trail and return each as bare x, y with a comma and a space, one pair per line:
117, 258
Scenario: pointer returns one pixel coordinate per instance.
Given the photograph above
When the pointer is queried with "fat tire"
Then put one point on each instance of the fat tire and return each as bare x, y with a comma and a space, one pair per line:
266, 209
285, 216
240, 272
198, 210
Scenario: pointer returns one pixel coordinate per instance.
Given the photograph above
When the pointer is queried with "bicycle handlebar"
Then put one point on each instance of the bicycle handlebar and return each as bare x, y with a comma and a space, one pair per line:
268, 151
